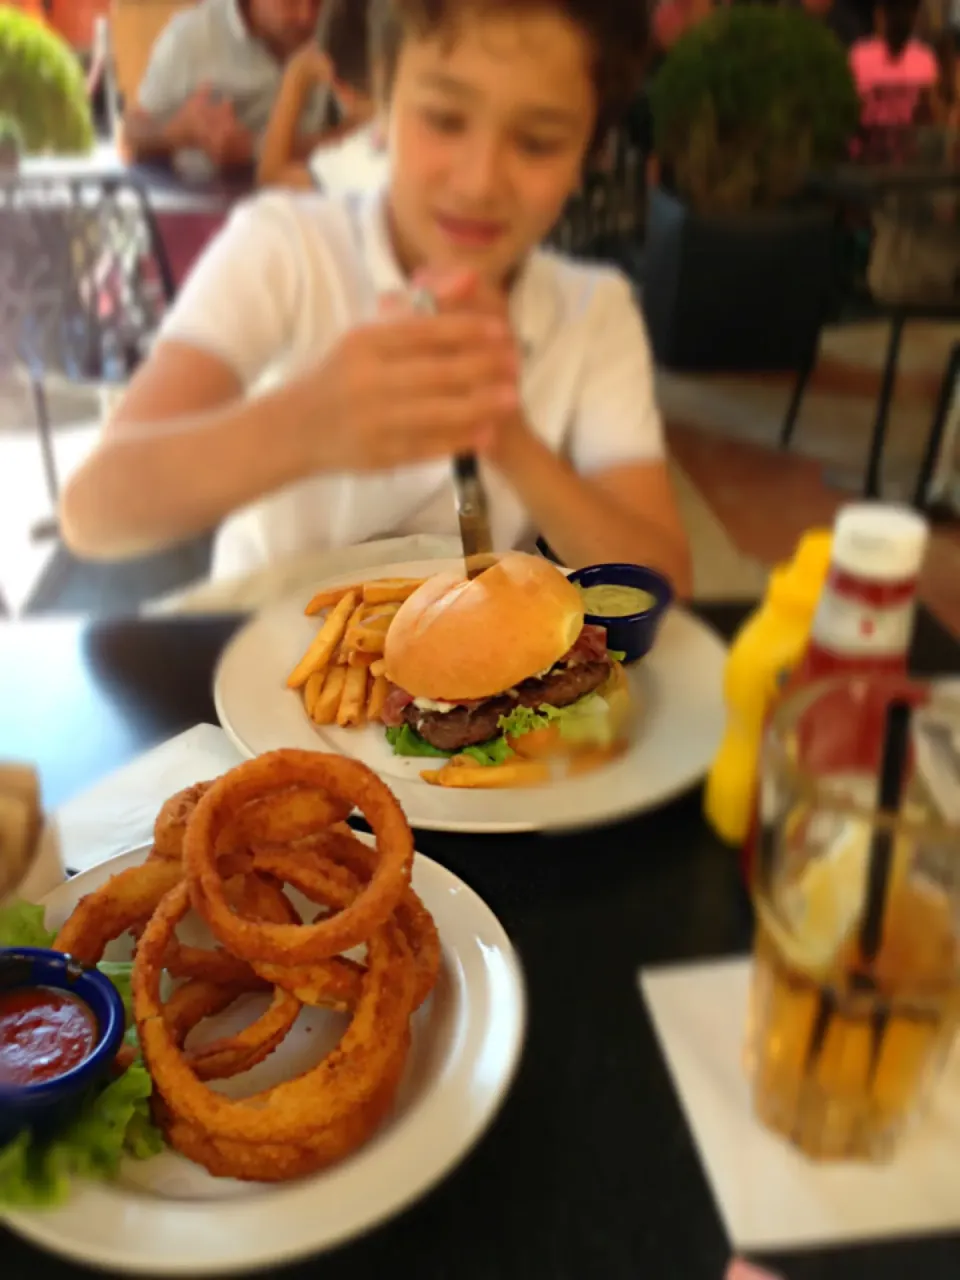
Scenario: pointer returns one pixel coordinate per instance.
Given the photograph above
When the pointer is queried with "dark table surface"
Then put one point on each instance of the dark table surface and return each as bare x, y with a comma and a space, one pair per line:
590, 1171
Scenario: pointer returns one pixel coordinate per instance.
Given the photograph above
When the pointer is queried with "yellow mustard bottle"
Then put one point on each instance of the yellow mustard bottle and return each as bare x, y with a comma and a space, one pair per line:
766, 649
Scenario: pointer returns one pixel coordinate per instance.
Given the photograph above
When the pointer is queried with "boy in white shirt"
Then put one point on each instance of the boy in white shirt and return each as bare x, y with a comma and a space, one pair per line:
295, 400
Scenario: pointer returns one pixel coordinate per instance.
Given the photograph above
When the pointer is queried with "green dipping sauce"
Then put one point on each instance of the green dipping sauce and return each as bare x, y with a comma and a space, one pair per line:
611, 600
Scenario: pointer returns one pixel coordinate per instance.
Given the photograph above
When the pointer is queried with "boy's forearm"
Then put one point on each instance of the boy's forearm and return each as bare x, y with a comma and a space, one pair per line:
199, 471
580, 524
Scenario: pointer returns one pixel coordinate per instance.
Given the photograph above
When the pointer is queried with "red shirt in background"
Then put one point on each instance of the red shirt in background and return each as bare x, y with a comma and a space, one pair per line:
890, 88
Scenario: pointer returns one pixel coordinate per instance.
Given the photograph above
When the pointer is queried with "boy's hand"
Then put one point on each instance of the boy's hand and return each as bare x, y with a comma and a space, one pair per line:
464, 292
408, 388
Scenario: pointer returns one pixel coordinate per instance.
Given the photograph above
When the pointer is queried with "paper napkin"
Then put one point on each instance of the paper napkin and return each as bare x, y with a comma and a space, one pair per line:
770, 1196
118, 813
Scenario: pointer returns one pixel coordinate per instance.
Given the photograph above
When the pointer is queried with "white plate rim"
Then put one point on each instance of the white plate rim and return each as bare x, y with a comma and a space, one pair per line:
570, 806
104, 1202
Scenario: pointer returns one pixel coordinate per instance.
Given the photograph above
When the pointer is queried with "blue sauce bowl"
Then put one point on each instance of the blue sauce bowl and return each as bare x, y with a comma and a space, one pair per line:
45, 1106
634, 633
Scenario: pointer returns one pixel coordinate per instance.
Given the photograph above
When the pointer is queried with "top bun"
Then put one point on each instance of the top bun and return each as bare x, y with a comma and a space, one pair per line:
454, 640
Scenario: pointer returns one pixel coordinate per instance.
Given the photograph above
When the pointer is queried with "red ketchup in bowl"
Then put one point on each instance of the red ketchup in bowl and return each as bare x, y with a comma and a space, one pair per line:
44, 1033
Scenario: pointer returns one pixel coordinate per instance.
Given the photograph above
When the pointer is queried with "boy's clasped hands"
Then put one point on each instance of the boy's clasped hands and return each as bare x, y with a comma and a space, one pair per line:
407, 388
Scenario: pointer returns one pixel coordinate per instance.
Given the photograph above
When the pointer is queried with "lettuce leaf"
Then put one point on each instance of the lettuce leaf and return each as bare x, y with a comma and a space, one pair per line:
21, 925
585, 721
111, 1122
496, 751
407, 742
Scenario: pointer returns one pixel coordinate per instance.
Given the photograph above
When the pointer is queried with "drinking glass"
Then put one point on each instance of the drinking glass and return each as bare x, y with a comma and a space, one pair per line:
856, 974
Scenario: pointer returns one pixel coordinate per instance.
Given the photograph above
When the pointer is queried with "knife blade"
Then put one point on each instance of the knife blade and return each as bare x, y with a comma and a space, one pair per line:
472, 511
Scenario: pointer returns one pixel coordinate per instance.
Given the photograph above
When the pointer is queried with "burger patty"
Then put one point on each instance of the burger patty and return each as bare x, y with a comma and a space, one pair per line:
469, 726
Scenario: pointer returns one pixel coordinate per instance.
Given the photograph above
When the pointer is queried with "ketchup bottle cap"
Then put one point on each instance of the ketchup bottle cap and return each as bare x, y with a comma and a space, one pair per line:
882, 542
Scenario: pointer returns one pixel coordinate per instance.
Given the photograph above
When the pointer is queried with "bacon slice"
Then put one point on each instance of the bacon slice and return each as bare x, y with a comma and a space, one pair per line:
591, 645
393, 706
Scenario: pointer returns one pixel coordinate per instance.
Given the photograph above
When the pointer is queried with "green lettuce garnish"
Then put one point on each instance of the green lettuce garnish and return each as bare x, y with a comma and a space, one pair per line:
584, 721
496, 751
21, 925
111, 1122
407, 742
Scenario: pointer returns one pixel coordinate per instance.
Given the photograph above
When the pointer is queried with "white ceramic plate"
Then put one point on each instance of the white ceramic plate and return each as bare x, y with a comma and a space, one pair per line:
679, 688
168, 1215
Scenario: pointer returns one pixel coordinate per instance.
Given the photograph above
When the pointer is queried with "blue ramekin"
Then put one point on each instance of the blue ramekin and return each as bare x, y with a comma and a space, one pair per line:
46, 1105
633, 634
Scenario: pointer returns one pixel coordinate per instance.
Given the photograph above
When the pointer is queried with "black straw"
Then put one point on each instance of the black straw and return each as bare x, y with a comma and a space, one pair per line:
892, 771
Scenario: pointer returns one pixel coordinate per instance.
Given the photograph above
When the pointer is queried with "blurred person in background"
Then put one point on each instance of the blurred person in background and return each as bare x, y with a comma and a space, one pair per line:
946, 93
672, 18
896, 75
212, 80
842, 17
297, 401
352, 155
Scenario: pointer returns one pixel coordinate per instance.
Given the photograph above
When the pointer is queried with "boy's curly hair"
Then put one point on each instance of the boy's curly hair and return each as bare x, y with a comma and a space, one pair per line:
616, 31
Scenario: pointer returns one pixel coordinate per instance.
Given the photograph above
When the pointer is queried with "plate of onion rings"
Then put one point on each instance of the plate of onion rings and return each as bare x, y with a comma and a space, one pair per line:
313, 1072
310, 672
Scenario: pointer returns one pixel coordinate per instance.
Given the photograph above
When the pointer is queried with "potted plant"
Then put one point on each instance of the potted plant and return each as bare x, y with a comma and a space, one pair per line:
737, 262
42, 87
11, 144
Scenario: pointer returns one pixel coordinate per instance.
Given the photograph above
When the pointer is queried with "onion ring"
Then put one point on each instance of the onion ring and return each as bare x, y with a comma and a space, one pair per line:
171, 824
279, 1162
283, 817
346, 1079
313, 871
298, 944
117, 906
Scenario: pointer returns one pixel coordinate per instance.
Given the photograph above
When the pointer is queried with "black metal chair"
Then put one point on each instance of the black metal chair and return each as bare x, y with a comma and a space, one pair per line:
84, 283
898, 168
931, 453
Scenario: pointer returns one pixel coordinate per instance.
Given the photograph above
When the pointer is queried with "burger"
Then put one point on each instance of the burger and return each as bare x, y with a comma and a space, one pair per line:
501, 665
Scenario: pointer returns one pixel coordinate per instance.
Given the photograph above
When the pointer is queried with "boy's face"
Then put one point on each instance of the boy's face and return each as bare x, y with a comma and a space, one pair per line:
488, 130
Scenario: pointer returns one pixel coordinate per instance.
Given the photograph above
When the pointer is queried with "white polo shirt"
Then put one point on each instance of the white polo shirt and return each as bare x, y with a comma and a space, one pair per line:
210, 44
291, 272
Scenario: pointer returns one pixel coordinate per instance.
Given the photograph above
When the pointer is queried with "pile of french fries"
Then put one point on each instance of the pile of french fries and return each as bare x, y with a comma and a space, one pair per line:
342, 675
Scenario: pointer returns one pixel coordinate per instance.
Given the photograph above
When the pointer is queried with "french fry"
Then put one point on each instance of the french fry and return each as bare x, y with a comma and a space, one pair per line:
378, 668
390, 590
519, 773
353, 699
365, 640
378, 695
327, 704
324, 643
333, 595
313, 688
345, 647
380, 615
358, 659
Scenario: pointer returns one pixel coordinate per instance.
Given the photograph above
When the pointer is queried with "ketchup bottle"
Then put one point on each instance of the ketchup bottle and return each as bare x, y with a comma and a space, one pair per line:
863, 625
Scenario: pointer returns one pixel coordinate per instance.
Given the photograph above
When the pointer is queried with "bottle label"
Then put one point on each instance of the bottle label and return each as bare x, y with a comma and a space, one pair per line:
853, 627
